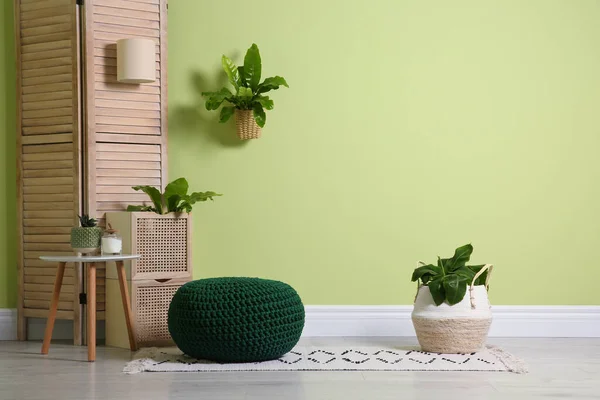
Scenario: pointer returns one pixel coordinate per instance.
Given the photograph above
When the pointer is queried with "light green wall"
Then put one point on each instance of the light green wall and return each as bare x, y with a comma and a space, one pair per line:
8, 273
411, 127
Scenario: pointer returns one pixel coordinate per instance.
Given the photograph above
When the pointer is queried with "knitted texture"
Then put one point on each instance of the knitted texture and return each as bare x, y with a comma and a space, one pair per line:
88, 237
236, 319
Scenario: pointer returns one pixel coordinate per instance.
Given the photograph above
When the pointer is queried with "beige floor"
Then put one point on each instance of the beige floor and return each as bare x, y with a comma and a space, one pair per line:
560, 369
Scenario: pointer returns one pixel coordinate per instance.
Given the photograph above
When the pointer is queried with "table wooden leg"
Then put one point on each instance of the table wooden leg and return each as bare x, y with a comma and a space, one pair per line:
77, 307
60, 273
126, 304
91, 314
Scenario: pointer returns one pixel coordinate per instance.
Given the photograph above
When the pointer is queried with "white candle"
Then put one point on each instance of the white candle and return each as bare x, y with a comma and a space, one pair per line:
111, 245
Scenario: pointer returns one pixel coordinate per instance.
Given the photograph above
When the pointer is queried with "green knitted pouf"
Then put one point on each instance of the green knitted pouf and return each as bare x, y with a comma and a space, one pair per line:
236, 319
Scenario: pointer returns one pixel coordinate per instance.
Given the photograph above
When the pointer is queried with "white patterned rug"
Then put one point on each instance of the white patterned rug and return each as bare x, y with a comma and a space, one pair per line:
324, 358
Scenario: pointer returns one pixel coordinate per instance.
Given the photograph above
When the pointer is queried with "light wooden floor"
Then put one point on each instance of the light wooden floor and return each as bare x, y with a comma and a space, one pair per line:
559, 369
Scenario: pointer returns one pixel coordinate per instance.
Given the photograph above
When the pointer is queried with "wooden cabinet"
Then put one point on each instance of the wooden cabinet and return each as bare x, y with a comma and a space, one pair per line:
164, 244
83, 138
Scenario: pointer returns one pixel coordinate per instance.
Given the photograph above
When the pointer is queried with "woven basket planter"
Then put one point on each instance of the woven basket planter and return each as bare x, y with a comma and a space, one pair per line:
247, 128
461, 328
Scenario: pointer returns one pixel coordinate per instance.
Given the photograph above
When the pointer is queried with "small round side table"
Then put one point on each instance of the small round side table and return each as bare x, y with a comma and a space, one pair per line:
91, 301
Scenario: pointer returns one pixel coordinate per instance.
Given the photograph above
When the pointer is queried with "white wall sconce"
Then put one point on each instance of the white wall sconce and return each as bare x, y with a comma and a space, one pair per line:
136, 60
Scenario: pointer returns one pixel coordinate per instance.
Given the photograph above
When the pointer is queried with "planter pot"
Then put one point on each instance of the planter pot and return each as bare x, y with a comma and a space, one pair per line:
247, 128
86, 240
461, 328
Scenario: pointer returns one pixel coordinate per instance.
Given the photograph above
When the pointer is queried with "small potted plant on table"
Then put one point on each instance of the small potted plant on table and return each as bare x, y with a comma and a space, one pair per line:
86, 239
248, 103
452, 312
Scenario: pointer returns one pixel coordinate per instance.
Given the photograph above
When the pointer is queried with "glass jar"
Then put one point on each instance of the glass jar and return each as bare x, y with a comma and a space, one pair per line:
112, 243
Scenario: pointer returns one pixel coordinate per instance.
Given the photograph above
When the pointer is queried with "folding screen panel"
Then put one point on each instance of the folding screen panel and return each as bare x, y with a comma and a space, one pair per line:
125, 124
48, 151
83, 138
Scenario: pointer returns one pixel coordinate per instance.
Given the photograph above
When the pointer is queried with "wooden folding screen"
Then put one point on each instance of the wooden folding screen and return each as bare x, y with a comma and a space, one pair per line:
125, 124
83, 138
49, 148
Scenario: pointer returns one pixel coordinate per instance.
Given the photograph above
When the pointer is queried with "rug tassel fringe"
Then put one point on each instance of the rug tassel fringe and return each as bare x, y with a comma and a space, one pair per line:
511, 362
141, 358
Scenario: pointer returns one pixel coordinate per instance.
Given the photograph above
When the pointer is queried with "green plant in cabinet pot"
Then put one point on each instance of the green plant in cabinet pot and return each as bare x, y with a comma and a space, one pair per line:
249, 102
175, 199
86, 239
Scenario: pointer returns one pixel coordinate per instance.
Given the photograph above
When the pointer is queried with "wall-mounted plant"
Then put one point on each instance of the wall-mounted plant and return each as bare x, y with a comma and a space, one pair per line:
175, 199
249, 102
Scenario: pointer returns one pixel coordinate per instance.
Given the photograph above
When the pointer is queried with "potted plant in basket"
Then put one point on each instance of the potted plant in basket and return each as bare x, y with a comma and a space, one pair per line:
175, 199
452, 311
248, 103
86, 239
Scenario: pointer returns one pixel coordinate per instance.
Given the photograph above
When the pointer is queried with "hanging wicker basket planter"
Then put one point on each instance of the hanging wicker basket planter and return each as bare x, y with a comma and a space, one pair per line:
461, 328
247, 128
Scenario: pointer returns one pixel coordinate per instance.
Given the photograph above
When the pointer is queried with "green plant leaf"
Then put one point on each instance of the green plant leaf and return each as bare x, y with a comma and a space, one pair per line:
87, 222
265, 101
443, 264
436, 288
245, 92
272, 83
154, 195
236, 101
226, 113
464, 272
475, 269
243, 81
174, 192
215, 99
185, 207
259, 115
131, 208
232, 71
425, 269
173, 203
202, 196
252, 67
179, 187
455, 287
460, 258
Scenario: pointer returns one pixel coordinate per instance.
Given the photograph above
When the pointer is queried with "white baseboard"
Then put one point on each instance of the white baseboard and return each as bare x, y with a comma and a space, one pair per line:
8, 324
509, 321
